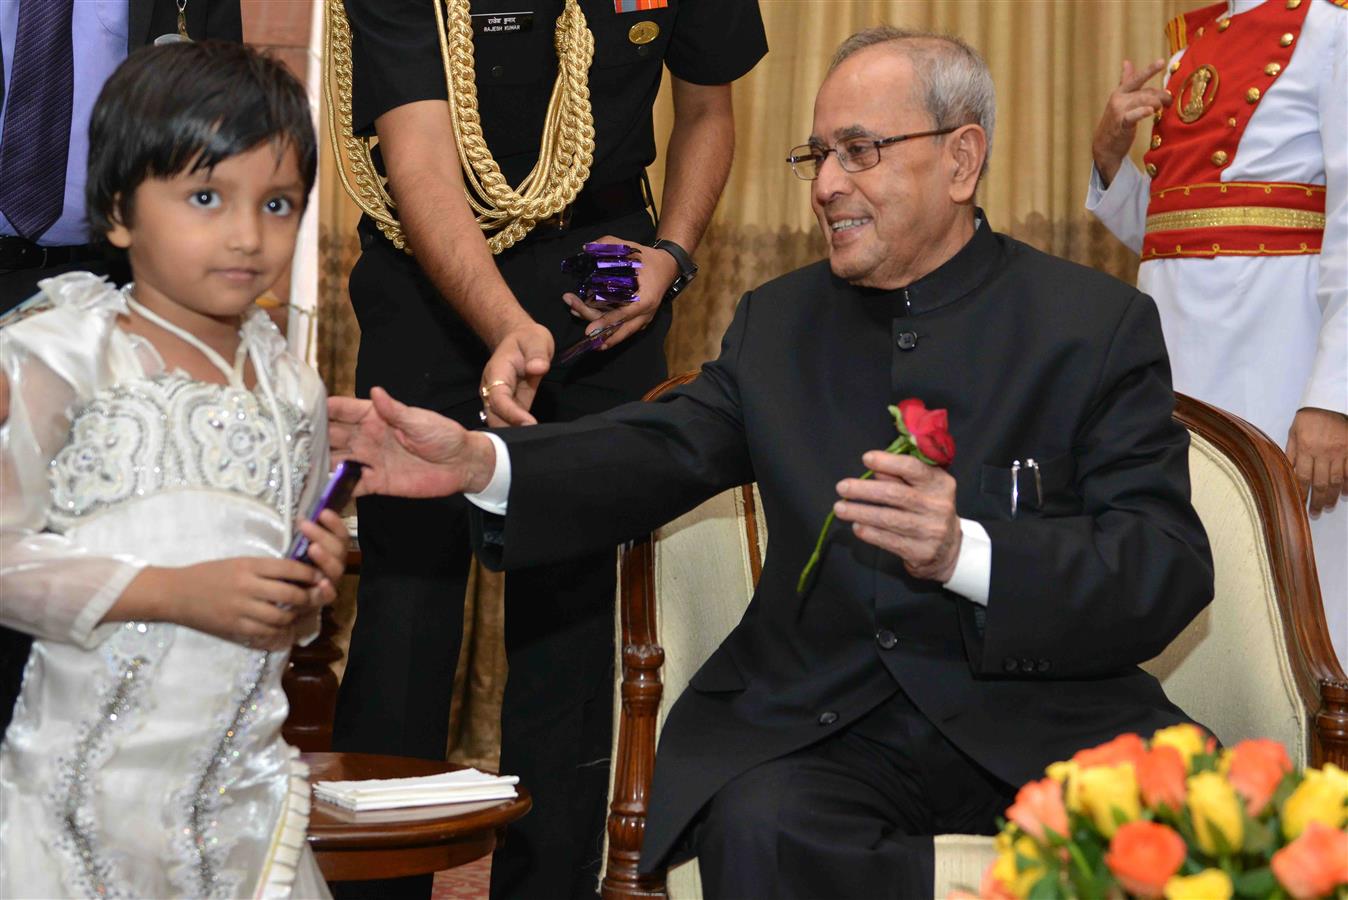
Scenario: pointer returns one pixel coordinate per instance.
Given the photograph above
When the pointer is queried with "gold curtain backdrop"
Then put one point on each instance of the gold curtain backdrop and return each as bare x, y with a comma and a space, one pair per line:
1053, 63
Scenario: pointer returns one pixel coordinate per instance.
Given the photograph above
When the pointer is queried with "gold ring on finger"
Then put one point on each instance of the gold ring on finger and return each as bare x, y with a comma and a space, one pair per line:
486, 388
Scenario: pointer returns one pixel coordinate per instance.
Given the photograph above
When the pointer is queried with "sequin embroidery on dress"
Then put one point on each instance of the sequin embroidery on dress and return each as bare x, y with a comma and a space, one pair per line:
141, 437
131, 656
202, 838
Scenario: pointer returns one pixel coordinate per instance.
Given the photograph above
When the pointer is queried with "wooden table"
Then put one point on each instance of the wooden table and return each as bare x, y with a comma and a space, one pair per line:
353, 846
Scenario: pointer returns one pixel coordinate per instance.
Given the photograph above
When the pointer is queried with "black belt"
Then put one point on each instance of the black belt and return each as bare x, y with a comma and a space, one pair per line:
21, 253
596, 204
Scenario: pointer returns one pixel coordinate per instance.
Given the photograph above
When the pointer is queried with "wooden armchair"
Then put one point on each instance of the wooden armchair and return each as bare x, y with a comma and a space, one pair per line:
1256, 663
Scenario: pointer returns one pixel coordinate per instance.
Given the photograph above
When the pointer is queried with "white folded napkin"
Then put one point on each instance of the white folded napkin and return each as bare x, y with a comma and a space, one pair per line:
462, 786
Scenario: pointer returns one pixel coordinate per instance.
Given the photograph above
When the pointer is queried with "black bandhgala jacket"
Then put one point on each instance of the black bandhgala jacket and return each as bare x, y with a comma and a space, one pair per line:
1035, 358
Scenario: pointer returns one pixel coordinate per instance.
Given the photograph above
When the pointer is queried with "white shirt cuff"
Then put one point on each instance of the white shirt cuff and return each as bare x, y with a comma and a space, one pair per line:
493, 497
972, 577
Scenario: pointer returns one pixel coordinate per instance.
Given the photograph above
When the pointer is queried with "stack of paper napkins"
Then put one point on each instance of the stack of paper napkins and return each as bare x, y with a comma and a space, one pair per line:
462, 786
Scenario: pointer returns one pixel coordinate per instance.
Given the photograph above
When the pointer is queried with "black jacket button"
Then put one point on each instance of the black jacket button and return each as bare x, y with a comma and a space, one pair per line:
828, 717
497, 71
907, 340
1010, 664
1027, 665
886, 639
1043, 665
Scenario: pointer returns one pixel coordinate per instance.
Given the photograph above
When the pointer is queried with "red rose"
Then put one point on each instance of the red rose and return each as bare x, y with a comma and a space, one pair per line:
923, 433
929, 429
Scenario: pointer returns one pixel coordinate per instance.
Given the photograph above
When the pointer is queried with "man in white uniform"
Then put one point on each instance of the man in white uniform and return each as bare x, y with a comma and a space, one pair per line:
1241, 219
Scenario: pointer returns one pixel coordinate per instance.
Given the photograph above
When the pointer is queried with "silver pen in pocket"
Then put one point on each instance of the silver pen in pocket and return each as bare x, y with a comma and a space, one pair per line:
1015, 486
1038, 483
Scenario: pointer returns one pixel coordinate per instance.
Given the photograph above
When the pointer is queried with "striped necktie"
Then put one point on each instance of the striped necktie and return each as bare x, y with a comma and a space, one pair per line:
36, 141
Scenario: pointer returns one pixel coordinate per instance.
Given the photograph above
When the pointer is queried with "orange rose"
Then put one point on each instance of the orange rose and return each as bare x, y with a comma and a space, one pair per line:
1127, 748
1314, 864
1160, 777
1039, 806
1256, 768
1145, 855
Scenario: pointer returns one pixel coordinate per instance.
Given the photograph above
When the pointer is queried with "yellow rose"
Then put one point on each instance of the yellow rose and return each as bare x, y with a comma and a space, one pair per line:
1210, 884
1319, 798
1105, 789
1004, 870
1065, 773
1215, 809
1336, 777
1187, 739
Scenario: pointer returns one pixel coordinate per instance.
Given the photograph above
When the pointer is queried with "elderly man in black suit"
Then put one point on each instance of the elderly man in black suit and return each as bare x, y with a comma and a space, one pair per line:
967, 625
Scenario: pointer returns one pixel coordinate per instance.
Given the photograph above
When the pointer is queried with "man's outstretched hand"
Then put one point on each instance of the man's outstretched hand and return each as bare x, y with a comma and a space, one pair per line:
406, 451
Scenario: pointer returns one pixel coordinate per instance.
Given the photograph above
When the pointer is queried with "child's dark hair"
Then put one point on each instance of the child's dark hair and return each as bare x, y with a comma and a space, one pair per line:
184, 106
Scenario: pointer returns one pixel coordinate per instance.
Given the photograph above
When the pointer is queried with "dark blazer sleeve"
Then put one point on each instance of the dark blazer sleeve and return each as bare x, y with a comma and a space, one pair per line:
583, 486
1108, 589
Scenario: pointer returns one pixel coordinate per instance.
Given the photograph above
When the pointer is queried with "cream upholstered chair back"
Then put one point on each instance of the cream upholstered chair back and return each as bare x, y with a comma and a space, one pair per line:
1230, 668
1256, 663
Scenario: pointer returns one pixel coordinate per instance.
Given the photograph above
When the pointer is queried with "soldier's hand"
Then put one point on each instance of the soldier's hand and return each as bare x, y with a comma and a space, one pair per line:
1128, 104
658, 271
510, 378
1317, 445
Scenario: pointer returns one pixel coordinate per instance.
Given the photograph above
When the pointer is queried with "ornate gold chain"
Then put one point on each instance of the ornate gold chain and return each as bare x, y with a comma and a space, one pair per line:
506, 213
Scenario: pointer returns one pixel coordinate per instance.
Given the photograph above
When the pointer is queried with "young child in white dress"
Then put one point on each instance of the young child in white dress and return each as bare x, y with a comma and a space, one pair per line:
158, 444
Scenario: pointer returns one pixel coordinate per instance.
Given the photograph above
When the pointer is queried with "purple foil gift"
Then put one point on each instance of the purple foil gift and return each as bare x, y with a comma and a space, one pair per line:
606, 274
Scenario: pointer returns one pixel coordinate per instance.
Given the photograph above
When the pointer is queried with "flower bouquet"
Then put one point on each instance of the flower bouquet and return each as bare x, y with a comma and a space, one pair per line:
1175, 818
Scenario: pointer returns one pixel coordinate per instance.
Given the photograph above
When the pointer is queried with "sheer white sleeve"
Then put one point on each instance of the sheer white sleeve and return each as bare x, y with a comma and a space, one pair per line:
50, 587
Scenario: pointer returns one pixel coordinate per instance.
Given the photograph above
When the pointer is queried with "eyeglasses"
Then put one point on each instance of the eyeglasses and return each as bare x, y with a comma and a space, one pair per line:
854, 154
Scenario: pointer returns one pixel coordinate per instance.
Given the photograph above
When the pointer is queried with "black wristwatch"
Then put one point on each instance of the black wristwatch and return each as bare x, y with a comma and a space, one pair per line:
687, 268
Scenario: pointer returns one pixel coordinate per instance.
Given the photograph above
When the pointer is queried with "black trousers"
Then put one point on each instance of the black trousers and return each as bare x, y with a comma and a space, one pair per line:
556, 721
851, 816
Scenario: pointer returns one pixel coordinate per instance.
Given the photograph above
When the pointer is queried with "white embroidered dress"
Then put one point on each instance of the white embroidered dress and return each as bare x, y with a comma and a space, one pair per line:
145, 759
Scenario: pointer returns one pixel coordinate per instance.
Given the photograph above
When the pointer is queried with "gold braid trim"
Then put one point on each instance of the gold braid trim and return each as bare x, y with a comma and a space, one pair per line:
363, 185
566, 150
1237, 217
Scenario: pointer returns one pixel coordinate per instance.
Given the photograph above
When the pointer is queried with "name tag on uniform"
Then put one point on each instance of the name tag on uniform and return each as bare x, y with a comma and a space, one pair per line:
503, 23
624, 6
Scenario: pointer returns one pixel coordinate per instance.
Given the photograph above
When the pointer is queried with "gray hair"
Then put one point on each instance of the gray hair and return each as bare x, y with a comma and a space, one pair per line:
956, 85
